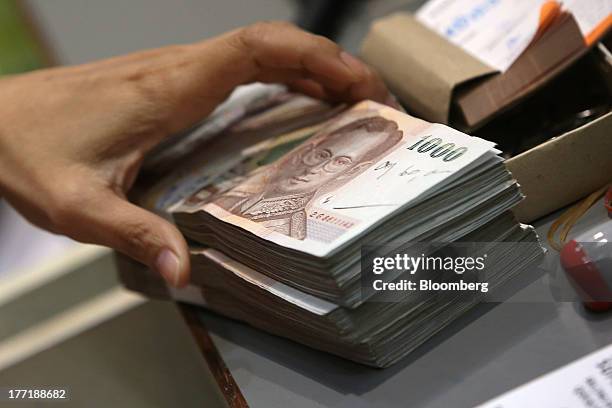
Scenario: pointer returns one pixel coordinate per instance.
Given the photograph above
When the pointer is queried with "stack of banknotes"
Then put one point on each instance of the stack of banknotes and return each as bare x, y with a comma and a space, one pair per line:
278, 195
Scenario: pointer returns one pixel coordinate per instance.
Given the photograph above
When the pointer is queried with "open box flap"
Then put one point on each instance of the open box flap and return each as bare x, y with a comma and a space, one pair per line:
558, 172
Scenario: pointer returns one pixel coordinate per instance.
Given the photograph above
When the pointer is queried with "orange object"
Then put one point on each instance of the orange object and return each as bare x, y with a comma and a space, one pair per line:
551, 10
548, 13
599, 31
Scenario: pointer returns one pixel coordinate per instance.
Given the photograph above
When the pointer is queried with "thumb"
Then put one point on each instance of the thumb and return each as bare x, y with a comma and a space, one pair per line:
114, 222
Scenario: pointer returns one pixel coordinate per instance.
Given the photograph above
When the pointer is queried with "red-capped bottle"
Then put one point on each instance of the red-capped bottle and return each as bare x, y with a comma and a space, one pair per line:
587, 260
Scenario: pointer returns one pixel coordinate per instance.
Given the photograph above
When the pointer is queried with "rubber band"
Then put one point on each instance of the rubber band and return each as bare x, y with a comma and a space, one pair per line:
568, 219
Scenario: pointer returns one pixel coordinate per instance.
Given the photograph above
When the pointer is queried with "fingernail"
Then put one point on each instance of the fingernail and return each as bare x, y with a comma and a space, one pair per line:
356, 66
392, 101
167, 264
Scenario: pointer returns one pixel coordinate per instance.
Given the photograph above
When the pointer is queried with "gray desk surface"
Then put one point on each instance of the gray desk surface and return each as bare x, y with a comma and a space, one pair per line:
492, 349
128, 361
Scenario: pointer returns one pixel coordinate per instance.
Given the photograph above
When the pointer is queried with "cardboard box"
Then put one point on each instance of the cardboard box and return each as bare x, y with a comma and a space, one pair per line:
425, 70
420, 67
564, 169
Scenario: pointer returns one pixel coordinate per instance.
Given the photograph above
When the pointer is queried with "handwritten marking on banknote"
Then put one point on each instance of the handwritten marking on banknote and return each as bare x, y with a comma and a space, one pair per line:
387, 166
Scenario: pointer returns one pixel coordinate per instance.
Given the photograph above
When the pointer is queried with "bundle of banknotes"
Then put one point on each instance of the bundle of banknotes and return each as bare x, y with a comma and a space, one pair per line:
278, 194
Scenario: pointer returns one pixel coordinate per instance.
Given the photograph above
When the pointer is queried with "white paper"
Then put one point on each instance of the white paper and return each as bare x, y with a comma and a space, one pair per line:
498, 31
494, 31
585, 383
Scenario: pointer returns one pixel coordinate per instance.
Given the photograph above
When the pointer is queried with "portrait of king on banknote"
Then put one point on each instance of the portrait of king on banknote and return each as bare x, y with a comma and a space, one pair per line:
277, 196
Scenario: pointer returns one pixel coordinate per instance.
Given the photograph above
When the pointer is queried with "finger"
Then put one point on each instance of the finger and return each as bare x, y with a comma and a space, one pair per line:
371, 88
109, 220
196, 80
274, 46
289, 75
317, 87
280, 75
309, 87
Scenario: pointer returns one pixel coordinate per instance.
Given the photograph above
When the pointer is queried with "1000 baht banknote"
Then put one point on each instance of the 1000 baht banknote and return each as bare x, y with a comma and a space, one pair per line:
363, 166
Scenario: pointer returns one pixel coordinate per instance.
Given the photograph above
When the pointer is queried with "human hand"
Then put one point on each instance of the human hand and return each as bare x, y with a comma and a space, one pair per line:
72, 139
